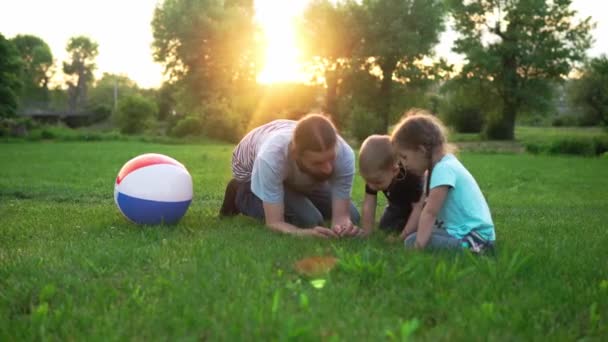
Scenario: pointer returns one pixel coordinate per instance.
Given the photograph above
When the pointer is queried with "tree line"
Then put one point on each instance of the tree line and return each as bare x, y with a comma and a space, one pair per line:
368, 60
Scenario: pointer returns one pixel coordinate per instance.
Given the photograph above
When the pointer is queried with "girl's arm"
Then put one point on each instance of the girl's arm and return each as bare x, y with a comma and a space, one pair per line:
368, 216
412, 222
429, 214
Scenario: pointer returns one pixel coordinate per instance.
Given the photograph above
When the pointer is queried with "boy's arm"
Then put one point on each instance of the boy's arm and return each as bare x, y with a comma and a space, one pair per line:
368, 216
429, 214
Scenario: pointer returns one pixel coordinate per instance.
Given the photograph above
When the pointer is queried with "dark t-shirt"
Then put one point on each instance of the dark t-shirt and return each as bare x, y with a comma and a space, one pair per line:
405, 189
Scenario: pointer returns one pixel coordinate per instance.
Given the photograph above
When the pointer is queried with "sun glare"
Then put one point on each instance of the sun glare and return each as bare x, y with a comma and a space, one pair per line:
282, 55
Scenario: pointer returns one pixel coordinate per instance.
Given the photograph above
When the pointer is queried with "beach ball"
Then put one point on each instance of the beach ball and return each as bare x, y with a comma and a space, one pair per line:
153, 189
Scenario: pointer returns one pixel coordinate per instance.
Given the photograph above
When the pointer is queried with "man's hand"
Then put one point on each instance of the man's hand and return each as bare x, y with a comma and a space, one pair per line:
318, 231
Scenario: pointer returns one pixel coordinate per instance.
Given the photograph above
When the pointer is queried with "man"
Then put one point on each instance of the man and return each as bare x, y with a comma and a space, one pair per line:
293, 175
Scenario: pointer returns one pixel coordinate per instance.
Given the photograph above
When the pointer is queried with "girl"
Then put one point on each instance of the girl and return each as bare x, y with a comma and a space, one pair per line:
456, 214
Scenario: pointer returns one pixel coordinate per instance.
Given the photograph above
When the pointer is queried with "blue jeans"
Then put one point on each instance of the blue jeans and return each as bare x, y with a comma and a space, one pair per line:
440, 239
302, 210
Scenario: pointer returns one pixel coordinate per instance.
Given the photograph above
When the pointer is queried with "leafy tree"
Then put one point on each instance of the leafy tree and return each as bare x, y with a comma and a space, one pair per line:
207, 45
330, 35
80, 66
397, 34
517, 45
37, 64
102, 93
10, 83
591, 91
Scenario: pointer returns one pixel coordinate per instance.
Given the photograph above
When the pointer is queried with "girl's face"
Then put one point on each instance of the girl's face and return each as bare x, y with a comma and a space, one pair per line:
414, 161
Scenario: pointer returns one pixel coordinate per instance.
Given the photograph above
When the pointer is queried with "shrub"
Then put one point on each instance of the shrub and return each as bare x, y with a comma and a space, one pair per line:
565, 121
582, 146
189, 125
464, 118
364, 123
135, 114
220, 121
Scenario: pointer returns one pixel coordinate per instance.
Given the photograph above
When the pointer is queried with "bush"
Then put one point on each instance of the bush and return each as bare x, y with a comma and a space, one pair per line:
565, 121
135, 114
187, 126
583, 147
364, 123
594, 146
220, 121
464, 118
47, 134
495, 128
601, 145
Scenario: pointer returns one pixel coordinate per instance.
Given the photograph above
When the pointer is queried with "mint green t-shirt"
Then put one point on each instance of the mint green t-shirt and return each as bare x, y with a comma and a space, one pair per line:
465, 209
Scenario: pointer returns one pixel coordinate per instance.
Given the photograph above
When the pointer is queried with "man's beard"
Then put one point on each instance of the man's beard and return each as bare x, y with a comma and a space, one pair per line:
317, 177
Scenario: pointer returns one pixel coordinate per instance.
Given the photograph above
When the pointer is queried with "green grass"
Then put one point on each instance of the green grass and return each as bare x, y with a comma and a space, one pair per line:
72, 268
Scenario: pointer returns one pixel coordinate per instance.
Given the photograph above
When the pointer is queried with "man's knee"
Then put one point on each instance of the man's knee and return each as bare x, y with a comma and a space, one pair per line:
306, 217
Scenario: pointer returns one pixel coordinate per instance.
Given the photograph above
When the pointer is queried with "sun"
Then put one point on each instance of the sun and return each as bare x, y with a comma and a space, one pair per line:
282, 62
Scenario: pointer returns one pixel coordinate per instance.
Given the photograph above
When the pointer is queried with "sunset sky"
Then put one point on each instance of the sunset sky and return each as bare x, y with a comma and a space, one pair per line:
123, 31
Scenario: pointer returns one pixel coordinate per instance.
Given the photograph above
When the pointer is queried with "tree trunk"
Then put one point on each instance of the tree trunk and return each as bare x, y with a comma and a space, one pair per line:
384, 105
503, 128
331, 98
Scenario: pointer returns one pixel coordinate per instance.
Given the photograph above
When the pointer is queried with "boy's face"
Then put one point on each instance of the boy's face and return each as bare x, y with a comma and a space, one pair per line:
381, 180
414, 161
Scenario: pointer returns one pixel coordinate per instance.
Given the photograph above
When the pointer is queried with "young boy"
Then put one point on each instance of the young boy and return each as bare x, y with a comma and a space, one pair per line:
381, 171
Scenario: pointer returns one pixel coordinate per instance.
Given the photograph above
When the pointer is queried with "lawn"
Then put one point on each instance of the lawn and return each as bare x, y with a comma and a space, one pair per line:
72, 268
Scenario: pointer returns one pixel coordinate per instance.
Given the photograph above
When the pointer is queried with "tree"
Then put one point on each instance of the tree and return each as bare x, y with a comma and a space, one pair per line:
10, 83
102, 93
329, 36
396, 35
135, 114
591, 91
81, 65
517, 45
37, 64
208, 45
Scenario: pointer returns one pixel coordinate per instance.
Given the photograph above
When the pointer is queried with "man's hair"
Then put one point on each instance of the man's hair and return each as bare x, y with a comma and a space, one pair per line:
376, 154
315, 133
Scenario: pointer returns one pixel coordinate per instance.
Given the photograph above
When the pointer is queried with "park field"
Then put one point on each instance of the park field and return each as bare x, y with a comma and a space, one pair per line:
72, 268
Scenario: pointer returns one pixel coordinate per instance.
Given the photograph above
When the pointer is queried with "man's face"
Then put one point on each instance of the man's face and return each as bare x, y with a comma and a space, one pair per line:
318, 165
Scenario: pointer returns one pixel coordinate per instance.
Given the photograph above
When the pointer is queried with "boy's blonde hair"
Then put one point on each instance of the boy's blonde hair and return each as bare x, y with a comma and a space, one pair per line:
376, 154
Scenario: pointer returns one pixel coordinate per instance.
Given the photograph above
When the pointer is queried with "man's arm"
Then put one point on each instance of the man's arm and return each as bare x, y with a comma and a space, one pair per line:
275, 220
429, 214
340, 218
